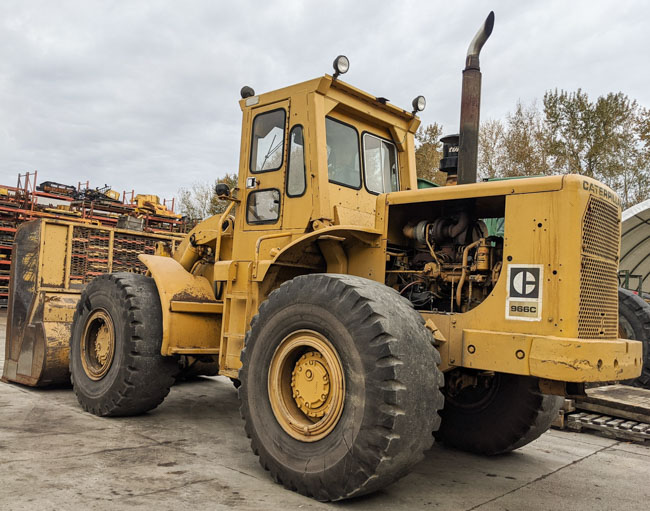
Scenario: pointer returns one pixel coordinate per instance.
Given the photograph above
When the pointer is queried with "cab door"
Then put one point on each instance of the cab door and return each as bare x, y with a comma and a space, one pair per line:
266, 167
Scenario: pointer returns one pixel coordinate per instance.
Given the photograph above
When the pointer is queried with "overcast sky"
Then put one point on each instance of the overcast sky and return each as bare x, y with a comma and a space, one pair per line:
143, 94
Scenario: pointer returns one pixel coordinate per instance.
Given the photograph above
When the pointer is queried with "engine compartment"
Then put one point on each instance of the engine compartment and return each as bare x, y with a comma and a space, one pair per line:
445, 259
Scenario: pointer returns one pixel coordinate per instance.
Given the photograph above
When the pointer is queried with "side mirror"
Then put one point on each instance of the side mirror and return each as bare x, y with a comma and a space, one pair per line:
222, 190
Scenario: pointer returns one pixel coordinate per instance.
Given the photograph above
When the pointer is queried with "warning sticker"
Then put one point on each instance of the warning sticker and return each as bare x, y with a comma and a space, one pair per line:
524, 300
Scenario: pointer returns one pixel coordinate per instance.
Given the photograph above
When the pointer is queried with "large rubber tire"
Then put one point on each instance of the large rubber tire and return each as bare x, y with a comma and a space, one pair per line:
392, 386
511, 414
139, 377
634, 322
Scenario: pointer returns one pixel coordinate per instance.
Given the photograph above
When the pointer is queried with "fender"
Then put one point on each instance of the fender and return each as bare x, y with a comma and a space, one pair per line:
345, 249
191, 317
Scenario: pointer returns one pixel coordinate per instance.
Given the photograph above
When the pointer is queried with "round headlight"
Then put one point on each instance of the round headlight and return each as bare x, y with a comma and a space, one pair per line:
341, 65
419, 103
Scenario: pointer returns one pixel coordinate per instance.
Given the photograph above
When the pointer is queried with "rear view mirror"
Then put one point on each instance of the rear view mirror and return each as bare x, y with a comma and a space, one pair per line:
222, 190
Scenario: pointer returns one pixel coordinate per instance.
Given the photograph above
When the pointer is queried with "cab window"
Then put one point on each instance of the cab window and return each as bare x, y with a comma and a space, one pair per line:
296, 167
343, 166
267, 147
263, 207
380, 164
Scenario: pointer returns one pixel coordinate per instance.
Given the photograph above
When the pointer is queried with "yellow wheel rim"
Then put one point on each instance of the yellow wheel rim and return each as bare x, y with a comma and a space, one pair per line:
98, 344
306, 385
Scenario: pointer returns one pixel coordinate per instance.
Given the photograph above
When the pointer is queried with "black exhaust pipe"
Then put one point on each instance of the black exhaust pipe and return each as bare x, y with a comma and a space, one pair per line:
470, 106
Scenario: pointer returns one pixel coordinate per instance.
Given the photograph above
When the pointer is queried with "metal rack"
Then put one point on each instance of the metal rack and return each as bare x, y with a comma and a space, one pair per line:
25, 202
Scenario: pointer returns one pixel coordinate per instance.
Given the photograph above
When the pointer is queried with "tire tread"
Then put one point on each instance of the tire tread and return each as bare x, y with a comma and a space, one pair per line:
386, 319
144, 380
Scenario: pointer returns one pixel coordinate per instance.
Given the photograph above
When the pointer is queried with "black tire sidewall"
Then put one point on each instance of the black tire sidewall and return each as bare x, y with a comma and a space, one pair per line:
333, 448
636, 313
392, 386
499, 424
106, 298
140, 377
631, 314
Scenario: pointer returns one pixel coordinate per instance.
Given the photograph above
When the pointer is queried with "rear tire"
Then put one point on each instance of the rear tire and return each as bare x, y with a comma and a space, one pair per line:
508, 414
375, 349
115, 361
634, 323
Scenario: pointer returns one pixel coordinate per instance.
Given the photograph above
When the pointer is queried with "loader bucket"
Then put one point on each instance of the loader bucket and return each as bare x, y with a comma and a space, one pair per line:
38, 325
52, 261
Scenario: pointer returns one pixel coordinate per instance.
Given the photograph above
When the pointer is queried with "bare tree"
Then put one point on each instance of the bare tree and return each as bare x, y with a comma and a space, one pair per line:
428, 152
200, 200
491, 150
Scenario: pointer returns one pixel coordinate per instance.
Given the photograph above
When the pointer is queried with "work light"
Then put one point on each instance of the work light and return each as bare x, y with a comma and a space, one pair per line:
341, 65
419, 103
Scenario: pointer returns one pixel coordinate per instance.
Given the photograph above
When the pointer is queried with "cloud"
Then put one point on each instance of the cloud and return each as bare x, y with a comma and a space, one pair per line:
144, 95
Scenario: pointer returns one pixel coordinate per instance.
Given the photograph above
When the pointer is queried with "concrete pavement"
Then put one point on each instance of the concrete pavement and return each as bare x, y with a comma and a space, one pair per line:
192, 453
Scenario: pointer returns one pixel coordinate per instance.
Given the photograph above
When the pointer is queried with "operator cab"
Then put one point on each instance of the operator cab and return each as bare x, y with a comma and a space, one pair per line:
322, 151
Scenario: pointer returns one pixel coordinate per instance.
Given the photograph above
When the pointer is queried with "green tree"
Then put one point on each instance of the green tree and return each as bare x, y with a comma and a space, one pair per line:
524, 143
643, 128
606, 139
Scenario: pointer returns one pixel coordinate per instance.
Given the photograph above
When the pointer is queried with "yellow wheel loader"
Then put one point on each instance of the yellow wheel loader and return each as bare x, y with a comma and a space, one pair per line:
359, 313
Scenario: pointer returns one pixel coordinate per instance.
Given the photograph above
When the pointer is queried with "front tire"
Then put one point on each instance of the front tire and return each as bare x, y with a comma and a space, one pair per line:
340, 388
115, 361
500, 413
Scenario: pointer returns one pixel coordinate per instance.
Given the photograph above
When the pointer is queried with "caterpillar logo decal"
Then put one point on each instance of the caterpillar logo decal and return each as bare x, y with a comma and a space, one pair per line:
601, 192
524, 300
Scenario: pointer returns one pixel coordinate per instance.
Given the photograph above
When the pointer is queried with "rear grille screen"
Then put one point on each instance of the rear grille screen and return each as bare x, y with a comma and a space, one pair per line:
601, 231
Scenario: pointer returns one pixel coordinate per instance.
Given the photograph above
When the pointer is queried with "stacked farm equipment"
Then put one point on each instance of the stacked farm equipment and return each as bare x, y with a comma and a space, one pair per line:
82, 204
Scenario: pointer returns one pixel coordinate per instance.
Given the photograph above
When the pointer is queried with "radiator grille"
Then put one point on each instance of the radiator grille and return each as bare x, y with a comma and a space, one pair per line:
598, 313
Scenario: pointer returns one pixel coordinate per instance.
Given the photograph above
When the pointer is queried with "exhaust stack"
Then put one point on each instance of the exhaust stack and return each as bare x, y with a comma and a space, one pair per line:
470, 105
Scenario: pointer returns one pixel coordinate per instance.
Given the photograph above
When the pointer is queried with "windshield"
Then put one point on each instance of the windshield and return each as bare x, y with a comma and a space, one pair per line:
380, 164
343, 165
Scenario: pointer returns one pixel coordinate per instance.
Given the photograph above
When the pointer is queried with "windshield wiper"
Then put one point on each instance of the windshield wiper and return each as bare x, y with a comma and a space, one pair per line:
271, 151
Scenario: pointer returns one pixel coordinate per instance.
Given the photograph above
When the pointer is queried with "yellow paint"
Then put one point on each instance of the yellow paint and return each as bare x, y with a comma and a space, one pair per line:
54, 243
554, 358
184, 328
148, 204
306, 395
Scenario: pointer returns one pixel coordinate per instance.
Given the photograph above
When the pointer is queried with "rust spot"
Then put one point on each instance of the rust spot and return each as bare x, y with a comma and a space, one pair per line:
185, 296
